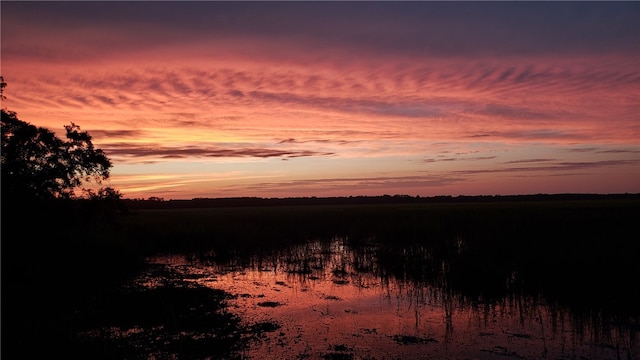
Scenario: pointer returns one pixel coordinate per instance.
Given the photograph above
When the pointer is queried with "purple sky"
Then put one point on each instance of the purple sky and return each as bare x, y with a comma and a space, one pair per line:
206, 99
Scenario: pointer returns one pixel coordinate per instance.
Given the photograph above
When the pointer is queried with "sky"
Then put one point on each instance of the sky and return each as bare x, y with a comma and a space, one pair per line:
299, 98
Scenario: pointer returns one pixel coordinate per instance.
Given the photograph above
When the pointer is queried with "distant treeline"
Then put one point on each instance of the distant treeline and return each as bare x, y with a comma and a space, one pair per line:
159, 203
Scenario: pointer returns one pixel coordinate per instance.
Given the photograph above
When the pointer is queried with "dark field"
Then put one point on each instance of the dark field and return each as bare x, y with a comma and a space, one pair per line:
69, 277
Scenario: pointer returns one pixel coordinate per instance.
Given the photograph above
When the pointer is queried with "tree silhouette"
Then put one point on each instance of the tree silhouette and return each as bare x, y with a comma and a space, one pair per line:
3, 84
37, 165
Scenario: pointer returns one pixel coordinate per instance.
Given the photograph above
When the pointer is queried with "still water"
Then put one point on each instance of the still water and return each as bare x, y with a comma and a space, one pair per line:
328, 300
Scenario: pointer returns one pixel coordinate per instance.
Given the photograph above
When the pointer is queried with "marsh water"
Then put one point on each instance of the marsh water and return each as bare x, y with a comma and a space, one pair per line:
332, 299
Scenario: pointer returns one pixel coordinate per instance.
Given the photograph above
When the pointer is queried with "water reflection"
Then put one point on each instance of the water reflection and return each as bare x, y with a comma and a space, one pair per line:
339, 299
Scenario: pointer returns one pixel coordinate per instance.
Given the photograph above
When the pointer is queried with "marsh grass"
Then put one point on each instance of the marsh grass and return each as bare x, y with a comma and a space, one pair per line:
582, 254
562, 248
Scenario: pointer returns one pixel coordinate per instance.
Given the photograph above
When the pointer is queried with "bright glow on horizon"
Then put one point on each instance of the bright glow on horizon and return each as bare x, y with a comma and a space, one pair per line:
307, 99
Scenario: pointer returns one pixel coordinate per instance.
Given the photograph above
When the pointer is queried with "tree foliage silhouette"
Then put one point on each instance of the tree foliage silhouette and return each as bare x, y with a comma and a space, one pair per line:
37, 165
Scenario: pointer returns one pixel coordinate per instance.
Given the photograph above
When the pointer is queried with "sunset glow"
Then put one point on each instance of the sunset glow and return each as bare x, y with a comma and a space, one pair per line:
278, 99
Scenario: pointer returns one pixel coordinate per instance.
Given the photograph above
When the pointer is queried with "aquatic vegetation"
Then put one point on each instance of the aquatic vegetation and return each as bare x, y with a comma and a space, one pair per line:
269, 304
565, 267
409, 339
